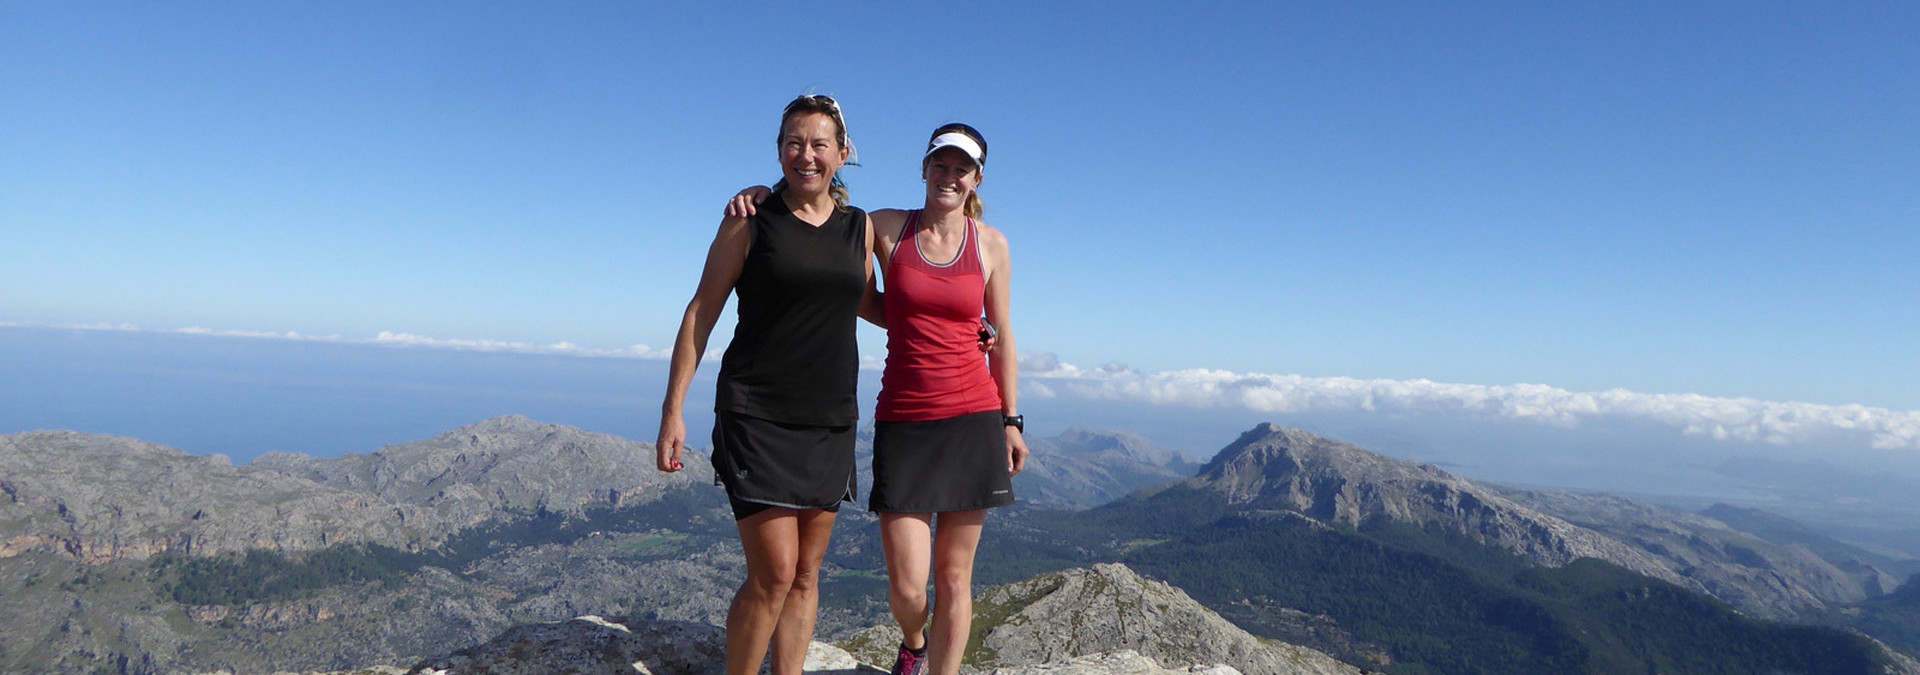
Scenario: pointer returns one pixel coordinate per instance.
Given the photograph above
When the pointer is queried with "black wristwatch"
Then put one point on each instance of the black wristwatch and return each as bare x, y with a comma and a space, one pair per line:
1015, 421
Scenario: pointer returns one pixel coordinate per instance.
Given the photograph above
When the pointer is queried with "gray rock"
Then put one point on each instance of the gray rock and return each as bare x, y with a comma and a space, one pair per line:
1900, 664
1126, 662
503, 465
97, 499
375, 670
1084, 620
590, 644
1081, 612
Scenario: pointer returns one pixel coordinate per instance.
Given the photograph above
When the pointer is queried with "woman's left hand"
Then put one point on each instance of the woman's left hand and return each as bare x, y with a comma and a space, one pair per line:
1016, 452
743, 202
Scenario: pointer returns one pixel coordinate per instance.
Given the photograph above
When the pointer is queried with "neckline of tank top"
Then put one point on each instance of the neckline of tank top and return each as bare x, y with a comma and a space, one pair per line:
966, 236
787, 211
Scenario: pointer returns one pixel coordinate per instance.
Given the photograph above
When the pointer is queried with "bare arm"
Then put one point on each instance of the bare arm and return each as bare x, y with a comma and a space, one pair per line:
742, 204
1002, 360
873, 306
725, 258
883, 231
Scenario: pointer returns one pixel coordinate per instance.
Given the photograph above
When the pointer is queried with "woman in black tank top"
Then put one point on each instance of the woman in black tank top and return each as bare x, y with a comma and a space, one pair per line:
785, 405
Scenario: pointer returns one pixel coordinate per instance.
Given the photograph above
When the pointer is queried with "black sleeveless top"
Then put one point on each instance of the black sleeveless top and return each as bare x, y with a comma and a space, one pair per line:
793, 357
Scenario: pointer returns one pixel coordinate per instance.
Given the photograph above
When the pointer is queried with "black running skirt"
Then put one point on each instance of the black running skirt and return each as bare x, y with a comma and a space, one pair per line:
954, 464
768, 463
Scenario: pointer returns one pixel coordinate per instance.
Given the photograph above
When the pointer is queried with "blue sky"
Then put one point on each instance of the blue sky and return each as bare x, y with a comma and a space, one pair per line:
1716, 199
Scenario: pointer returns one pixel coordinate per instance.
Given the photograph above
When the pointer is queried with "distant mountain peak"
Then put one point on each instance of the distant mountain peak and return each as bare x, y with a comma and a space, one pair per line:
1269, 460
510, 462
1082, 467
504, 424
1118, 443
1281, 469
102, 445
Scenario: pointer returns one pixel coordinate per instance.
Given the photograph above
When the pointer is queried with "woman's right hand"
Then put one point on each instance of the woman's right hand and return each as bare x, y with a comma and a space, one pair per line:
669, 449
742, 203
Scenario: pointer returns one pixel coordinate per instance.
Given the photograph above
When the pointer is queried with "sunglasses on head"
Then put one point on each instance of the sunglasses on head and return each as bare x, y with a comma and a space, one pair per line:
822, 99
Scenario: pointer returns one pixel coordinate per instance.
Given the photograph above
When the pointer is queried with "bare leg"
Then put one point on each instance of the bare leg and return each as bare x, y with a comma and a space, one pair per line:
956, 539
795, 629
771, 540
907, 539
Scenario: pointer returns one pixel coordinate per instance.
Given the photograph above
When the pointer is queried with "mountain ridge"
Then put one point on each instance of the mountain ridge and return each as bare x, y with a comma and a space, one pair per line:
509, 521
96, 499
1338, 483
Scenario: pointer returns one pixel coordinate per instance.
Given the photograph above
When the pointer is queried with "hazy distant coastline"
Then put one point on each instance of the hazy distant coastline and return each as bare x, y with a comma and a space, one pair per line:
243, 397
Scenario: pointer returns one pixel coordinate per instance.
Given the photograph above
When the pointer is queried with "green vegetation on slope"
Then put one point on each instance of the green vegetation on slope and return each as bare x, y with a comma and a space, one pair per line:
1433, 600
270, 575
262, 575
1894, 618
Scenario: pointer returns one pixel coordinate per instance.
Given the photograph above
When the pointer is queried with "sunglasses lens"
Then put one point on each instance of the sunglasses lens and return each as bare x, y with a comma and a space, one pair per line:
817, 98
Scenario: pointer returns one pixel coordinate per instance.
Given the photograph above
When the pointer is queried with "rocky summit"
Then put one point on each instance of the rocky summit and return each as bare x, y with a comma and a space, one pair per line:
1109, 608
1105, 620
1083, 613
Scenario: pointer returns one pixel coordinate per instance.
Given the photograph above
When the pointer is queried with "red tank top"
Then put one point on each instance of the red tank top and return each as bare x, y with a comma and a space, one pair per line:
934, 366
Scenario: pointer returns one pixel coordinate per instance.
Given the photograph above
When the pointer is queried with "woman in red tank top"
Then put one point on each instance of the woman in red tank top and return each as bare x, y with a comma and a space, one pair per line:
948, 431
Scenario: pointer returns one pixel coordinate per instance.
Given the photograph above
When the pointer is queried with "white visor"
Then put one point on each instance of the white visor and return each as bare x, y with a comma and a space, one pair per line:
958, 140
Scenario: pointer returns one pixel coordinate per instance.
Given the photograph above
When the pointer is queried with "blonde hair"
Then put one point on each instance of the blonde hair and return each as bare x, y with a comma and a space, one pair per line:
821, 104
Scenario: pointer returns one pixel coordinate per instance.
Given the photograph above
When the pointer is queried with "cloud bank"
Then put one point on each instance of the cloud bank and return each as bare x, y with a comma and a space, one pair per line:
392, 339
1043, 375
1725, 419
562, 348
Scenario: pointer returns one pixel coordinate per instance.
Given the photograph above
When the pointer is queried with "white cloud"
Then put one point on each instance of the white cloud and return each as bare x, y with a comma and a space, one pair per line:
289, 335
391, 339
560, 348
1729, 419
1044, 376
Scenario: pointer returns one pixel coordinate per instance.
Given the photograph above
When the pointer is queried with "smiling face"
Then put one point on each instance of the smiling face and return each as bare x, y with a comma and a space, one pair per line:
810, 152
951, 175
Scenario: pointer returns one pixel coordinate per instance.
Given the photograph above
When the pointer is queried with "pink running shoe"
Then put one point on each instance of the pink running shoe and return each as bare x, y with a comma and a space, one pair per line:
909, 663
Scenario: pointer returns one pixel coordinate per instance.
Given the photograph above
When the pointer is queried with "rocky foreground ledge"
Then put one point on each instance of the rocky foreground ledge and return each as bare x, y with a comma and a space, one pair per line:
1104, 620
591, 644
